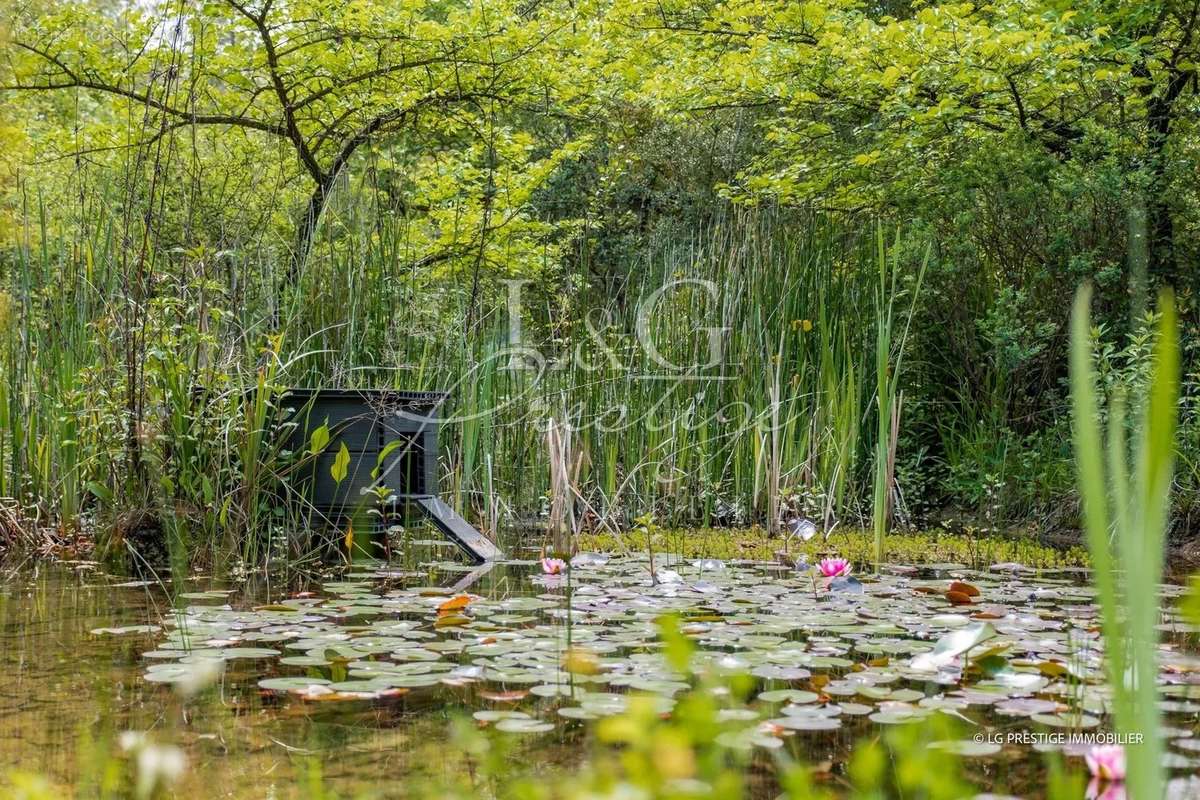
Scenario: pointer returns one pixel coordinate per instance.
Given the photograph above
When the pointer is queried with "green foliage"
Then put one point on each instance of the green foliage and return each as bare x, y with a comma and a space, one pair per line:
1130, 509
969, 546
340, 465
336, 195
887, 382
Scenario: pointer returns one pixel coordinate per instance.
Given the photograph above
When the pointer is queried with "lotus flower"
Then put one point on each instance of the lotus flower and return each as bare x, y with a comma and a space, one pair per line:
553, 566
1106, 762
834, 567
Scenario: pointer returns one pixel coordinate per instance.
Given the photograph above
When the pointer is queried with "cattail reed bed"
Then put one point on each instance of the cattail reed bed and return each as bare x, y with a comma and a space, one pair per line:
723, 383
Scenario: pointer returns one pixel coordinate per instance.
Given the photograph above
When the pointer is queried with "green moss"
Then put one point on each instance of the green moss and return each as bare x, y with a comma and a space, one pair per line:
923, 547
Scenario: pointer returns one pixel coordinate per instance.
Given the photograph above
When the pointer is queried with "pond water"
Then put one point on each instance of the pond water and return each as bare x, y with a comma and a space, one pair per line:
358, 676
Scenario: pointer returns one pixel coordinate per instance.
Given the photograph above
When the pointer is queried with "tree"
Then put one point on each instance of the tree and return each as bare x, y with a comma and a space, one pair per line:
863, 110
323, 80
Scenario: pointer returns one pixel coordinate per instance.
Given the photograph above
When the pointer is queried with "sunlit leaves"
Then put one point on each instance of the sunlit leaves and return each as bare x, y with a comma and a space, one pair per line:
341, 464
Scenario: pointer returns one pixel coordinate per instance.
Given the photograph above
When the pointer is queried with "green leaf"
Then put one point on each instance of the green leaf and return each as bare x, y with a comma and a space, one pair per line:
384, 453
1190, 607
102, 492
319, 440
341, 464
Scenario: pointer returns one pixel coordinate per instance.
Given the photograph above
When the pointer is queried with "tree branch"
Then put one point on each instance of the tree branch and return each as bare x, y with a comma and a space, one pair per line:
292, 128
73, 81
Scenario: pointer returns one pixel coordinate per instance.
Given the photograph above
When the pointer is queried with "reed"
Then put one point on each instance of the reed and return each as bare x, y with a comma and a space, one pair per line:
1126, 514
723, 380
888, 399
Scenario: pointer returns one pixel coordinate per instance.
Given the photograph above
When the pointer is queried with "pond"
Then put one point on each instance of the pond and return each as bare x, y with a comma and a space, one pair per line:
354, 681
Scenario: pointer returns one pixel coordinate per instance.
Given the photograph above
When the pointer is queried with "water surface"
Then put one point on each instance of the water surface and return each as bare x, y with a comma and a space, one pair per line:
379, 659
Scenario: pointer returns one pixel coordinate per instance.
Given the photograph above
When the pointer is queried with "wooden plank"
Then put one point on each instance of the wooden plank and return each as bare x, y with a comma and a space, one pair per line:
458, 530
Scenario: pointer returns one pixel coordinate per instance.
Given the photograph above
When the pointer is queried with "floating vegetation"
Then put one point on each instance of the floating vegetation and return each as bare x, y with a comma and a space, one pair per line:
1004, 648
1020, 551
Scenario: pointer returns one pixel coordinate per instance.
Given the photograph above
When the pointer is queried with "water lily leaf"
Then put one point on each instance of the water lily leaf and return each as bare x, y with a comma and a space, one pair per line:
895, 717
797, 696
847, 585
874, 692
967, 748
454, 604
555, 690
807, 723
1026, 707
748, 739
201, 672
230, 653
291, 684
1068, 720
512, 696
214, 594
577, 712
516, 725
125, 630
357, 687
492, 715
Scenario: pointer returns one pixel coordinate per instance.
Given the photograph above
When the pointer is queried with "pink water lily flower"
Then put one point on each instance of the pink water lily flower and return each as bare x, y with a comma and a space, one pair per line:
1105, 790
553, 566
834, 567
1106, 762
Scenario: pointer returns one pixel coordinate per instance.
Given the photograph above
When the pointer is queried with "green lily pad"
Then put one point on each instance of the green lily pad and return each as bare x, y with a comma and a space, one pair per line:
291, 684
515, 725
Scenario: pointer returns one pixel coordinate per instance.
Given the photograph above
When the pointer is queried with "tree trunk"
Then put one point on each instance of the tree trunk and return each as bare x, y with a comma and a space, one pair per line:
1137, 237
1164, 264
306, 231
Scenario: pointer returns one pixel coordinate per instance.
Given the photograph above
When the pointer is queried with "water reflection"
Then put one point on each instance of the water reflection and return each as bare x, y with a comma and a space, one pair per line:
70, 693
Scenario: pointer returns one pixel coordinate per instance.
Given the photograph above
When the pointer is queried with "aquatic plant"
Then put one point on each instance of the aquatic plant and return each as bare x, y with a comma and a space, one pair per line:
1106, 763
1125, 514
888, 399
553, 566
833, 567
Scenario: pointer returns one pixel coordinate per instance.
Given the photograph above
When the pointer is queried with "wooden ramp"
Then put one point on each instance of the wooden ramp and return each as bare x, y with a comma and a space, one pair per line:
458, 530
